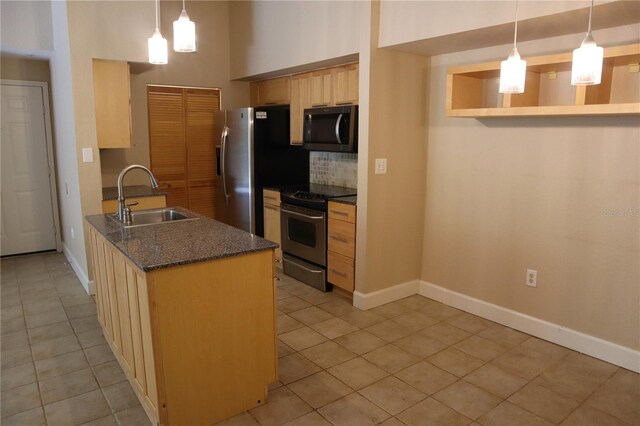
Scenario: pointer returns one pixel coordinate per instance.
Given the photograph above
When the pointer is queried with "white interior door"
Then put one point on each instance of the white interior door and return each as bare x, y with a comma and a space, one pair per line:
26, 210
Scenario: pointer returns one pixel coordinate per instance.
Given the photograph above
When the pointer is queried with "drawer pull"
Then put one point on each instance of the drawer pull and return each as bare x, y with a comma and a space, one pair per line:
270, 198
341, 240
339, 213
342, 274
267, 206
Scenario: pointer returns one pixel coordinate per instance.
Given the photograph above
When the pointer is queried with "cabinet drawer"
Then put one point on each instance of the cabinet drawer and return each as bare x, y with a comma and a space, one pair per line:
271, 197
342, 211
340, 271
342, 238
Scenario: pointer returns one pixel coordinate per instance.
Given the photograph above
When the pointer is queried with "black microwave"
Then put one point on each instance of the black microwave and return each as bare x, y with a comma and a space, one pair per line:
331, 129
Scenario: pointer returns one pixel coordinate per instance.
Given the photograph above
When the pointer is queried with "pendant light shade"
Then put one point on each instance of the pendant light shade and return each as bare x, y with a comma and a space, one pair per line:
184, 33
512, 73
514, 70
587, 60
157, 44
157, 49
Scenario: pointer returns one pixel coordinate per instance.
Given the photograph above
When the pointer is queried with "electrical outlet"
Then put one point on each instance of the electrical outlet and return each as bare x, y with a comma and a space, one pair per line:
532, 278
381, 166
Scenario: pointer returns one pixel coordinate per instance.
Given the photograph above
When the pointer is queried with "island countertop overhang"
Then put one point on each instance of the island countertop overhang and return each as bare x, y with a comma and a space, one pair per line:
166, 245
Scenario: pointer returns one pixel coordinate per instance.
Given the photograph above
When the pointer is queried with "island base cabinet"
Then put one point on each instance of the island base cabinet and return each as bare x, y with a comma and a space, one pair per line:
197, 342
122, 305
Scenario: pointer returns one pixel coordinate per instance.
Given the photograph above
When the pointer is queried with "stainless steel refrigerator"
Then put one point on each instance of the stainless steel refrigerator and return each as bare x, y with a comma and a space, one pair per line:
254, 152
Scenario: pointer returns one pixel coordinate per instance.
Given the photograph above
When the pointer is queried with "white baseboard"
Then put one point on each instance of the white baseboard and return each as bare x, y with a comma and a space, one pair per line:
380, 297
581, 342
89, 286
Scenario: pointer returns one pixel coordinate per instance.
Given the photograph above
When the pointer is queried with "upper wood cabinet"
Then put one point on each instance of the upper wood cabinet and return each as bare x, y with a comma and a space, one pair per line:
300, 99
345, 84
472, 90
112, 94
270, 92
321, 88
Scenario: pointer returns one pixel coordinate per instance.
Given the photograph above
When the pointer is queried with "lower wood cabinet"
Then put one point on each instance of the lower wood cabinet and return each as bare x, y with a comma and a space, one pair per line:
341, 245
122, 302
272, 228
191, 339
154, 202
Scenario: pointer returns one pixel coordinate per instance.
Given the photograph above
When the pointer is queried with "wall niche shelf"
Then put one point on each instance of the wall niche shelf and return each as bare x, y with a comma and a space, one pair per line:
472, 90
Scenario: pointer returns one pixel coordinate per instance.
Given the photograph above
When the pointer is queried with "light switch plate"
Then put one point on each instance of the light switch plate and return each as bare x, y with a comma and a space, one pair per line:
381, 166
87, 155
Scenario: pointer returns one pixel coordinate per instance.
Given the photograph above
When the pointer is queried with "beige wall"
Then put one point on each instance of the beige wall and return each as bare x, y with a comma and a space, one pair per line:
394, 209
504, 195
26, 25
209, 67
407, 21
14, 68
268, 36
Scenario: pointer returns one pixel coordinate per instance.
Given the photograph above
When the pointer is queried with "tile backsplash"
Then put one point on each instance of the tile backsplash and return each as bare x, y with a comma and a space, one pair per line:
334, 168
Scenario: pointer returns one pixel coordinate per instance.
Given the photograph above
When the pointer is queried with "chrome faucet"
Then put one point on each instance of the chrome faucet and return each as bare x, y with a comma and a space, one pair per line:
124, 210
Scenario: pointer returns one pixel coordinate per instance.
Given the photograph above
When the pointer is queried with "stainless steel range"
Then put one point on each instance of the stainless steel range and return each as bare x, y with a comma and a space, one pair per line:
303, 219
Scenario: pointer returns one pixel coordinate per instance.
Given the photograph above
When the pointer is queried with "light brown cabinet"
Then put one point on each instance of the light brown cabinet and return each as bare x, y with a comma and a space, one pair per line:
191, 339
341, 245
271, 206
112, 93
345, 84
472, 90
324, 87
122, 304
300, 100
182, 145
321, 88
270, 92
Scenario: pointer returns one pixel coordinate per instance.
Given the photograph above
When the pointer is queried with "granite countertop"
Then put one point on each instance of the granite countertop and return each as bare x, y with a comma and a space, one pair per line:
165, 245
137, 191
353, 200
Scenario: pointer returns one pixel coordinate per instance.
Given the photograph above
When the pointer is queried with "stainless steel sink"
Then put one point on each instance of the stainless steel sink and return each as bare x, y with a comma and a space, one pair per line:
156, 216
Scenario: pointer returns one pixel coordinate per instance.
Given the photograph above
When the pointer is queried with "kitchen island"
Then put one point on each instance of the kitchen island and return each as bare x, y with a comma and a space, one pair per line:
188, 308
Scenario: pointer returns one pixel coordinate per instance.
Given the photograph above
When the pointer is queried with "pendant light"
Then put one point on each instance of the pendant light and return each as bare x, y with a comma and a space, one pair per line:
587, 59
514, 69
184, 33
157, 44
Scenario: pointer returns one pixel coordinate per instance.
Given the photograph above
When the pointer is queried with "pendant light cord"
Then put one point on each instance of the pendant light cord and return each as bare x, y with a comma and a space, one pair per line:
183, 5
590, 11
515, 33
157, 20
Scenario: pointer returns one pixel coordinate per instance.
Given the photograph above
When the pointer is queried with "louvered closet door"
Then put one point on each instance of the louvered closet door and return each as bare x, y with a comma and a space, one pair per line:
201, 104
167, 144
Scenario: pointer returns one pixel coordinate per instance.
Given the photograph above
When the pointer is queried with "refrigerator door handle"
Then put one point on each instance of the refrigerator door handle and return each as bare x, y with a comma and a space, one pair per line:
223, 143
338, 128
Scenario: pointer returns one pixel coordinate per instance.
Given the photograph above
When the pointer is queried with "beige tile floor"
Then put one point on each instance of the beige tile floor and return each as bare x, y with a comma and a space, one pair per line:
410, 362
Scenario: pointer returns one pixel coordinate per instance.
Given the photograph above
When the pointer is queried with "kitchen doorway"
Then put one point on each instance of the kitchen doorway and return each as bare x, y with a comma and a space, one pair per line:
28, 200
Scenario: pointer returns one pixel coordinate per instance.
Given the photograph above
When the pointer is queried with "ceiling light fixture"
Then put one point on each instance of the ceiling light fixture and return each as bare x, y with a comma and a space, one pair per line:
587, 60
184, 33
157, 44
514, 69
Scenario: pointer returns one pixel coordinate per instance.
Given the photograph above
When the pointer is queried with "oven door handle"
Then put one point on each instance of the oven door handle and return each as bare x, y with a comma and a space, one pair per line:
283, 210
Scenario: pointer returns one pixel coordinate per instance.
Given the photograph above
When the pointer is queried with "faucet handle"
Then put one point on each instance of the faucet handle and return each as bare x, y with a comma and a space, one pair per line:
131, 204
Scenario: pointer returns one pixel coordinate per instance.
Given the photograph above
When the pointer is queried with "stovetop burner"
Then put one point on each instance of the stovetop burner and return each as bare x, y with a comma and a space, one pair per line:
302, 195
314, 196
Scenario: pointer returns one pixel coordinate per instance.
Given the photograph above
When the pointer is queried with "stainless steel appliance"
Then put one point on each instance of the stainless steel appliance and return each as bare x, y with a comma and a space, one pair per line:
254, 152
303, 220
331, 129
